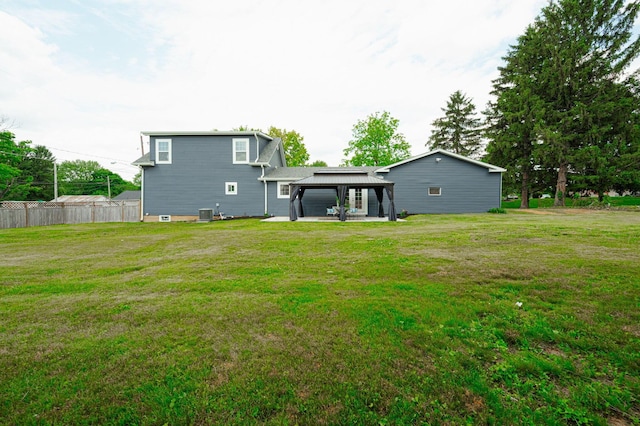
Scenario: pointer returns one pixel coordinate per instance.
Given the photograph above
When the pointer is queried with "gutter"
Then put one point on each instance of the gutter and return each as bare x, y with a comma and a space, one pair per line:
255, 135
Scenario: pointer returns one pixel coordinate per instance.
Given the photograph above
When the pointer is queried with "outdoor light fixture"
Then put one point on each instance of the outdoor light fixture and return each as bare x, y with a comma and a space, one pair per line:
438, 159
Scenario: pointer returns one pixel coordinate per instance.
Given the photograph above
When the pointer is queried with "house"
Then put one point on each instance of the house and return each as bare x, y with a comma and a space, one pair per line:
244, 173
82, 199
128, 195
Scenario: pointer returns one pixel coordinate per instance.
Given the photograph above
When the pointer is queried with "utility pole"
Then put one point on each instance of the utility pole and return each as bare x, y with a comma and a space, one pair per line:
109, 187
55, 182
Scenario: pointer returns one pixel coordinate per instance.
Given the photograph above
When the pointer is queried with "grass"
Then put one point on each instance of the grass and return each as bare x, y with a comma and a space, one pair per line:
443, 319
591, 202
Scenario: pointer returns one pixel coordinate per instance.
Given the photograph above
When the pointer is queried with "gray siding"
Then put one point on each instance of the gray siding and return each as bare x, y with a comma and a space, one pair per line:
466, 187
316, 201
276, 206
196, 178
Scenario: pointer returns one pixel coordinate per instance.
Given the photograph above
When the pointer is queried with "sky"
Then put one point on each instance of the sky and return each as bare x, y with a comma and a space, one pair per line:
85, 77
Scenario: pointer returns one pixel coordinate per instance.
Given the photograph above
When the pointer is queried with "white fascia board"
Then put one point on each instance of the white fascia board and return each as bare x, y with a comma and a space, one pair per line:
491, 167
203, 133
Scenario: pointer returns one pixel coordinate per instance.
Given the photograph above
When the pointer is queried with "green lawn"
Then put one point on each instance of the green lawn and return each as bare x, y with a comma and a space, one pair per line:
615, 202
520, 318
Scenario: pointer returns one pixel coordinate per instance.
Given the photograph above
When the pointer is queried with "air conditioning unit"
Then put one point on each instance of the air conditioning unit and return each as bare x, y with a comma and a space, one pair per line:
205, 215
164, 218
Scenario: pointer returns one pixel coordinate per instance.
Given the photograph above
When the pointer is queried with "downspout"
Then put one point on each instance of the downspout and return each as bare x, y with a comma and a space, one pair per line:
255, 135
266, 203
141, 193
500, 194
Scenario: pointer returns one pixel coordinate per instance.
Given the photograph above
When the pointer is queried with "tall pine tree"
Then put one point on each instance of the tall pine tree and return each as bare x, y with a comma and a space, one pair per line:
576, 58
459, 131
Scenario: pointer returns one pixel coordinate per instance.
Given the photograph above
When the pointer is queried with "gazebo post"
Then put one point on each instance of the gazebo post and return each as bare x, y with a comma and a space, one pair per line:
392, 207
342, 191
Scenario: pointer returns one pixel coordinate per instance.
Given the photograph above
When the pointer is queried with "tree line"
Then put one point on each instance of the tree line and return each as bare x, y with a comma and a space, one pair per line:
565, 111
566, 108
27, 174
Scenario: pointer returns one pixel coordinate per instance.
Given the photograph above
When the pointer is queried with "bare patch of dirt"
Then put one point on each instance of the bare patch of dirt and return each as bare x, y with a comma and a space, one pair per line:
617, 421
560, 211
633, 329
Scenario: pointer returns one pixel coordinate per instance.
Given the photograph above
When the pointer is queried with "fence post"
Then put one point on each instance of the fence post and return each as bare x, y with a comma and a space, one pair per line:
26, 215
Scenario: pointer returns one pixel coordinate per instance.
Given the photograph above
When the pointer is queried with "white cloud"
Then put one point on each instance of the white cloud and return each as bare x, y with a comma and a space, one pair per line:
316, 67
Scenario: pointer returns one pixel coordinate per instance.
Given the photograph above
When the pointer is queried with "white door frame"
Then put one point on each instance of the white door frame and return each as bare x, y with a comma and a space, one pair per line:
363, 204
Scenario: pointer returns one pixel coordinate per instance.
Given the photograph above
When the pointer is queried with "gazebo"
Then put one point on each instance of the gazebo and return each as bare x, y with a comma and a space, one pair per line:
341, 181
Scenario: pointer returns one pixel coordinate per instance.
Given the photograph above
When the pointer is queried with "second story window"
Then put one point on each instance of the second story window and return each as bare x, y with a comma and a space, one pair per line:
163, 151
240, 151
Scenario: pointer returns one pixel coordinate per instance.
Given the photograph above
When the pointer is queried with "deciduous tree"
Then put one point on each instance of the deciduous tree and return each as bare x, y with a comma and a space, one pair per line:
12, 155
376, 141
37, 169
295, 152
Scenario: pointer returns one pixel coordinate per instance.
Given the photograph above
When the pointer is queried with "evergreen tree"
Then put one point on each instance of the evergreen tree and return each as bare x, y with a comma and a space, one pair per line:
459, 131
570, 70
511, 118
587, 48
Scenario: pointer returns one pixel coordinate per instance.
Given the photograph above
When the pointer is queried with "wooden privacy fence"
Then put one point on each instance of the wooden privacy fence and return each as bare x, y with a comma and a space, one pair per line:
22, 214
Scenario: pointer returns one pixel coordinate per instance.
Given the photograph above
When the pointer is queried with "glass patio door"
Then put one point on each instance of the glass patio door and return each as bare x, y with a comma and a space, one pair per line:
358, 200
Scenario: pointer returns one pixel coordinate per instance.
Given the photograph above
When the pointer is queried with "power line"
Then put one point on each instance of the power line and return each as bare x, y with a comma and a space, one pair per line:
95, 156
28, 156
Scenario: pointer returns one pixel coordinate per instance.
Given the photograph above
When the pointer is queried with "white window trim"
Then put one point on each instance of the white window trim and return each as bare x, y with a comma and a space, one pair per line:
281, 184
158, 161
434, 195
233, 148
229, 191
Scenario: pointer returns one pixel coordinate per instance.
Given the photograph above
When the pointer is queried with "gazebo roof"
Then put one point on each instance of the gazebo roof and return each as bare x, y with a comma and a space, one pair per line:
341, 180
334, 178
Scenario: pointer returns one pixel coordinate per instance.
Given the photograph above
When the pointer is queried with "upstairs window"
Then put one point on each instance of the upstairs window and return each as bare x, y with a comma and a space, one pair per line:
240, 151
163, 151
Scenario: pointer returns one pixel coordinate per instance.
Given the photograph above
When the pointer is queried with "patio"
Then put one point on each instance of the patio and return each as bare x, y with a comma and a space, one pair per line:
329, 219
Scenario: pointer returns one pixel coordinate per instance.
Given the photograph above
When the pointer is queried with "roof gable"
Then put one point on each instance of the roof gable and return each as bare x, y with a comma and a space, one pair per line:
267, 153
490, 167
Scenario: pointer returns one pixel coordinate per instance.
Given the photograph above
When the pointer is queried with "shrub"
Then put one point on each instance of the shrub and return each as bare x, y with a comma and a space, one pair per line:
499, 210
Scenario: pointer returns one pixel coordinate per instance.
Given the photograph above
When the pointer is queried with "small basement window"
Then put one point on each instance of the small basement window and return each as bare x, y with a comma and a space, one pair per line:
435, 191
231, 188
